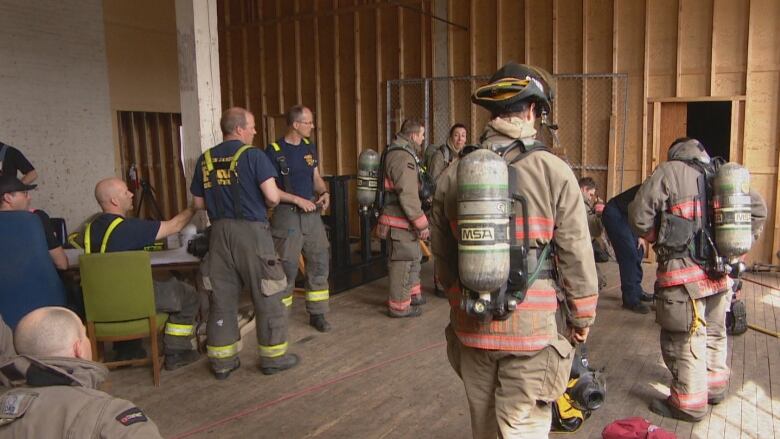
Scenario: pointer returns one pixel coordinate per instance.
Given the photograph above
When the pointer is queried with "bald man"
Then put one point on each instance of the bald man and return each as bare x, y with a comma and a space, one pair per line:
59, 396
113, 232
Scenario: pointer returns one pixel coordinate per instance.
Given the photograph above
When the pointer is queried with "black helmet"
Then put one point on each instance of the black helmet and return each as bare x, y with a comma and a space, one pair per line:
514, 84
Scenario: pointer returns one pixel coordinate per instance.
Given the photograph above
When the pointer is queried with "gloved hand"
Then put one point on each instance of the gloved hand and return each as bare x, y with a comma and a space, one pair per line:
424, 234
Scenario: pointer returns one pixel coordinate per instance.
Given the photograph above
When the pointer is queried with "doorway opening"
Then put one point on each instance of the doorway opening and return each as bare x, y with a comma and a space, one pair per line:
710, 123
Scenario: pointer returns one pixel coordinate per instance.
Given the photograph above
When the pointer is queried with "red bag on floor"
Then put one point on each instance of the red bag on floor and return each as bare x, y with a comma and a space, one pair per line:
635, 428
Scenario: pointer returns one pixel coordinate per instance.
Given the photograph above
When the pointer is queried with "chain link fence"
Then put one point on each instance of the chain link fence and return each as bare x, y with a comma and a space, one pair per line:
591, 111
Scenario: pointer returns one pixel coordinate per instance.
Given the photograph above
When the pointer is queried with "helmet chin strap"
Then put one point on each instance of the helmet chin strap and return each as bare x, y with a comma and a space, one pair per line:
551, 128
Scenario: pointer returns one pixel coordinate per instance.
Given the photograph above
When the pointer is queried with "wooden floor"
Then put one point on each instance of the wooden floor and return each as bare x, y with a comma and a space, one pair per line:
375, 377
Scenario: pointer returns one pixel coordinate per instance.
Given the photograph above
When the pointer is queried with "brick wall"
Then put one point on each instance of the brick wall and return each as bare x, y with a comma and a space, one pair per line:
54, 100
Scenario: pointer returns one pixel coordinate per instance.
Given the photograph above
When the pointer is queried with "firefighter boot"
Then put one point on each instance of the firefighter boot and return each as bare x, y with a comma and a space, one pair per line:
319, 323
180, 358
270, 366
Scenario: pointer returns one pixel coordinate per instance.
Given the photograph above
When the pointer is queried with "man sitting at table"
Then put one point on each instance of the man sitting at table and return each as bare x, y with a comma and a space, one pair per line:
113, 232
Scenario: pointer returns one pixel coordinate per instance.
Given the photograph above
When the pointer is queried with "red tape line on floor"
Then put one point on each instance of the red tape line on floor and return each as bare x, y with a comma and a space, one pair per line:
302, 392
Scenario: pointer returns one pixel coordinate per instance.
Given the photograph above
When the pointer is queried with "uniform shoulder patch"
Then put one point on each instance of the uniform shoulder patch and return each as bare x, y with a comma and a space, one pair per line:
14, 404
131, 416
411, 166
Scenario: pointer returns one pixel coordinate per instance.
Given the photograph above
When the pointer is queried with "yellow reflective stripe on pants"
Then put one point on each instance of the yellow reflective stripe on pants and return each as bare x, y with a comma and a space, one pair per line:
228, 351
317, 296
178, 330
273, 351
287, 301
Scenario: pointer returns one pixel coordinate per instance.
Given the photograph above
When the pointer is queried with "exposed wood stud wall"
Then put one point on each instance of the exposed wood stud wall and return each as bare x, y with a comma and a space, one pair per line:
690, 49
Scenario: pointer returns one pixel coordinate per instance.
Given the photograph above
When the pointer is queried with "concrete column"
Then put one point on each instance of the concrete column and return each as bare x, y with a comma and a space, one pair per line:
440, 89
199, 86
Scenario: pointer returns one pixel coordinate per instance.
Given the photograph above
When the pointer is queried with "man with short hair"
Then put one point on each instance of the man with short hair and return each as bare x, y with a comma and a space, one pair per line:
593, 207
60, 396
402, 221
235, 182
296, 221
15, 195
112, 231
12, 162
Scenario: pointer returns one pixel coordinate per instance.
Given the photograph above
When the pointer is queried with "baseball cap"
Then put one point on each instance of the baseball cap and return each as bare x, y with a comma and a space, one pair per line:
9, 183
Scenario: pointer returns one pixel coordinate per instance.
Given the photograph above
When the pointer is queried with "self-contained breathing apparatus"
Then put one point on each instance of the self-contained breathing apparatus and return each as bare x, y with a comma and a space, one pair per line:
496, 262
719, 232
585, 392
371, 174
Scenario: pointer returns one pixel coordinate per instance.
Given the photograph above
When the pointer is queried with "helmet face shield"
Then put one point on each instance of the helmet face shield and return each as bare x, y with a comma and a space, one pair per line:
514, 85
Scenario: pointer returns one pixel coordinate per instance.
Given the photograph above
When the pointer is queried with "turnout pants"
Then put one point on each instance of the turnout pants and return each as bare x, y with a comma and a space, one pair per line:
510, 393
403, 268
242, 255
181, 301
696, 359
303, 233
628, 256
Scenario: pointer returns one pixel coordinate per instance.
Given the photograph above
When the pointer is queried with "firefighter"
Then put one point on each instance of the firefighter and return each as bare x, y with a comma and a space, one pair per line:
296, 221
513, 369
112, 231
691, 301
59, 397
402, 221
235, 182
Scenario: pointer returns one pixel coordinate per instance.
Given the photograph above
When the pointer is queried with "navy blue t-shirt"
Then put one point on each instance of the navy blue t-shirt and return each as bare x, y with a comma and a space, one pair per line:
130, 234
253, 169
302, 160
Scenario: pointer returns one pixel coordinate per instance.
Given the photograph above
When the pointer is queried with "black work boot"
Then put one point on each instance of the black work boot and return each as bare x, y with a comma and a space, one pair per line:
644, 297
639, 308
438, 292
180, 358
663, 408
224, 373
276, 365
716, 399
319, 323
413, 311
418, 300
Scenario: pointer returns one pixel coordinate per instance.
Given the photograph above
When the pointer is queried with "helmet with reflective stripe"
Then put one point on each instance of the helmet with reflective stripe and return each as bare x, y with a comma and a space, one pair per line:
514, 86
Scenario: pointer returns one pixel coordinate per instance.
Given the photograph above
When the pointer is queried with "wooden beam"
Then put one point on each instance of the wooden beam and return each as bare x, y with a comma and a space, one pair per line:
298, 64
678, 75
401, 63
584, 91
527, 30
472, 61
699, 99
499, 34
358, 91
279, 59
318, 92
450, 62
612, 187
263, 83
244, 61
380, 91
337, 67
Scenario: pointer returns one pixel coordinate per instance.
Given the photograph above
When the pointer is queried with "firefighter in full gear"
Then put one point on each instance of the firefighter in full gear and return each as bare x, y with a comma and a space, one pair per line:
513, 368
111, 231
402, 221
235, 182
438, 158
296, 222
670, 210
50, 389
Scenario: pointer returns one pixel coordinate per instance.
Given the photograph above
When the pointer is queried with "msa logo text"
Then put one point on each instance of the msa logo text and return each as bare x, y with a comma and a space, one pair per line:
477, 234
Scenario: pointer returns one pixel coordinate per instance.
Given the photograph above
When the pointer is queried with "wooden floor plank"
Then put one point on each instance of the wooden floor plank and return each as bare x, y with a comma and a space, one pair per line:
376, 377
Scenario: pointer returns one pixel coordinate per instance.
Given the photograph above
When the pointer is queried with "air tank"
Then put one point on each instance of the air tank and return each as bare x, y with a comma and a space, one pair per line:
731, 206
368, 177
483, 221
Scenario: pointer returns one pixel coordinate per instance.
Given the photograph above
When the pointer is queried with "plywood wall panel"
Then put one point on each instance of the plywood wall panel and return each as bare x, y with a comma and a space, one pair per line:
346, 129
661, 47
630, 16
598, 36
460, 63
539, 36
308, 68
695, 47
729, 47
367, 70
326, 27
512, 32
568, 36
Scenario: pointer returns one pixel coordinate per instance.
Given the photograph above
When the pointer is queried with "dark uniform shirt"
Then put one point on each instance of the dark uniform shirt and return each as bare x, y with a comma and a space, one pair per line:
302, 160
130, 234
622, 200
13, 161
253, 169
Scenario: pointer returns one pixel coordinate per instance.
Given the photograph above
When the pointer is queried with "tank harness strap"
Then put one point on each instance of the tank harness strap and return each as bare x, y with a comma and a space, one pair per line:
212, 176
104, 243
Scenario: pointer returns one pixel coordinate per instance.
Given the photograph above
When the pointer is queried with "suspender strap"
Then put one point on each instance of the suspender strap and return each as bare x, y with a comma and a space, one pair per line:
104, 244
284, 169
232, 174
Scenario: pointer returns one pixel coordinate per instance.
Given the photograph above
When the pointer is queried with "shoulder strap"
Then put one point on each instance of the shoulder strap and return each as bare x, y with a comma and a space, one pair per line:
235, 187
526, 150
104, 243
212, 177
